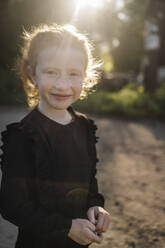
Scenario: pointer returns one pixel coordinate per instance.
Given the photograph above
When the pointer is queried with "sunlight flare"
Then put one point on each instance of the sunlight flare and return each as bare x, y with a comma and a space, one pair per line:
92, 3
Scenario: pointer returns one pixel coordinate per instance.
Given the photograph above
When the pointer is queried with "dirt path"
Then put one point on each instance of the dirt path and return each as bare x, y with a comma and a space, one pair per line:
131, 175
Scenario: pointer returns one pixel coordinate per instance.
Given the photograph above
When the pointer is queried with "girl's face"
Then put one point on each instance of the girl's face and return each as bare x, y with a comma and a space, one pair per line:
59, 75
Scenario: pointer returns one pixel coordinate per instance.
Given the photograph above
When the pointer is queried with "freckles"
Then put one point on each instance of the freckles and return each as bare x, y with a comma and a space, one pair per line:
78, 87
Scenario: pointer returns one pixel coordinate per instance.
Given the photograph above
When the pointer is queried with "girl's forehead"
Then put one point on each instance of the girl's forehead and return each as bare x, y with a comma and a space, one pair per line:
54, 56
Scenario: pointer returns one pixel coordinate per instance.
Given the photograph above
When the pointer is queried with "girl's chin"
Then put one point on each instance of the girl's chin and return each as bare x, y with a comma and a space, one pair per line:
59, 104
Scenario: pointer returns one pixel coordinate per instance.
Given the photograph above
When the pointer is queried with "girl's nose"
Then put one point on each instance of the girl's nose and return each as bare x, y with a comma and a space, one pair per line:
62, 83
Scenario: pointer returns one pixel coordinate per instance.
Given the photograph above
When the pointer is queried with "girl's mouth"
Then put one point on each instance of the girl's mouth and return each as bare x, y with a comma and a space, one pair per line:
61, 97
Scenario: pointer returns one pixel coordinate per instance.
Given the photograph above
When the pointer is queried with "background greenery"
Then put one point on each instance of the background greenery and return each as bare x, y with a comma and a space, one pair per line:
131, 101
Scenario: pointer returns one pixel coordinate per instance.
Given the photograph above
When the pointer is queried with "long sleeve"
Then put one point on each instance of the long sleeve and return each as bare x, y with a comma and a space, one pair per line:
95, 198
18, 203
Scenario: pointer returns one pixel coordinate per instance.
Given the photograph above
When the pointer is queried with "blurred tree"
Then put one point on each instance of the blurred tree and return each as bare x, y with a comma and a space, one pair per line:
154, 59
128, 51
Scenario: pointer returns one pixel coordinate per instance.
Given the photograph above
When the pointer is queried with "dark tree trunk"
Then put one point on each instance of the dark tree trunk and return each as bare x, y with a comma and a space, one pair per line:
154, 43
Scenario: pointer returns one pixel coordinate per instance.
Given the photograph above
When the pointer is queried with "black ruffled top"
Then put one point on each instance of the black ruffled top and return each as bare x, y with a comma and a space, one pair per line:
48, 177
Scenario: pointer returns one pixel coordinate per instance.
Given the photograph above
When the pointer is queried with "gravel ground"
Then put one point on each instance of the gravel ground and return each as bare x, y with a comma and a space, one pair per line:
131, 175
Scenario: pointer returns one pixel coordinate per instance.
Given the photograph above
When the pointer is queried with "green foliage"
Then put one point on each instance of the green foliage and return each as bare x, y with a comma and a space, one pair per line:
131, 101
11, 91
160, 98
108, 62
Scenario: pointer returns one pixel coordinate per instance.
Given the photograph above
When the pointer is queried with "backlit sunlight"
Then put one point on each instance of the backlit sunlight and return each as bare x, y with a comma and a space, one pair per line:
92, 3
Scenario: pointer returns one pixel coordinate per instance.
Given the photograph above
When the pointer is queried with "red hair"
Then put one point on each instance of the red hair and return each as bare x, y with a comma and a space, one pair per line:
54, 35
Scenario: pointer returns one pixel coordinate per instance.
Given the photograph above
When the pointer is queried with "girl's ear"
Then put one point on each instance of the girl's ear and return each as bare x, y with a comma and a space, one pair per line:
30, 75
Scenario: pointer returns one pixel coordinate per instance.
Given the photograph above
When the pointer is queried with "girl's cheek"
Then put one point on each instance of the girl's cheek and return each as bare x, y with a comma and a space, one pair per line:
79, 88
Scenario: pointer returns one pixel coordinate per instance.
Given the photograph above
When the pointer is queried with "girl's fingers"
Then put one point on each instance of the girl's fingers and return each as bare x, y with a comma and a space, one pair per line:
100, 222
106, 224
91, 216
91, 226
95, 238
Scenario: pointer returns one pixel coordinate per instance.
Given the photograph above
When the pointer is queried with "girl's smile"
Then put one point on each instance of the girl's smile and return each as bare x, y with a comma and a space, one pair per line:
61, 97
59, 75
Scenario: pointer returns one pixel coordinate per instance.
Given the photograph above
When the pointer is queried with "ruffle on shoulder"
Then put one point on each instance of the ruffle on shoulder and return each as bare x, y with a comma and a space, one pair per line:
92, 140
4, 137
38, 147
93, 128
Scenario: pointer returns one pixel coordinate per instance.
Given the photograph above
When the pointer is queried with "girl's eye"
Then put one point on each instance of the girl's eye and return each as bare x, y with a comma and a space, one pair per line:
74, 74
52, 72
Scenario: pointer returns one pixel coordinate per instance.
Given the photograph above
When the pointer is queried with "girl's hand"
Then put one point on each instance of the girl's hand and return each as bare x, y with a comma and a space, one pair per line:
82, 231
100, 217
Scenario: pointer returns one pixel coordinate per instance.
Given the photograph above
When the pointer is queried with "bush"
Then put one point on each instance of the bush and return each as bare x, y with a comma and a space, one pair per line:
131, 101
11, 91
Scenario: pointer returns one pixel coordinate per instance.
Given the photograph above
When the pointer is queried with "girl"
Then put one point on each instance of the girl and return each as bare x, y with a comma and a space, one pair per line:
49, 189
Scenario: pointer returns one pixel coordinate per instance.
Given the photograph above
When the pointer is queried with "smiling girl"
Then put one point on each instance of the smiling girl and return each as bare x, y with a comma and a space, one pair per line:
49, 187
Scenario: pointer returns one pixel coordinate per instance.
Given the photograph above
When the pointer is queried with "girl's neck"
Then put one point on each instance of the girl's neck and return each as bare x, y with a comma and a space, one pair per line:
59, 115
